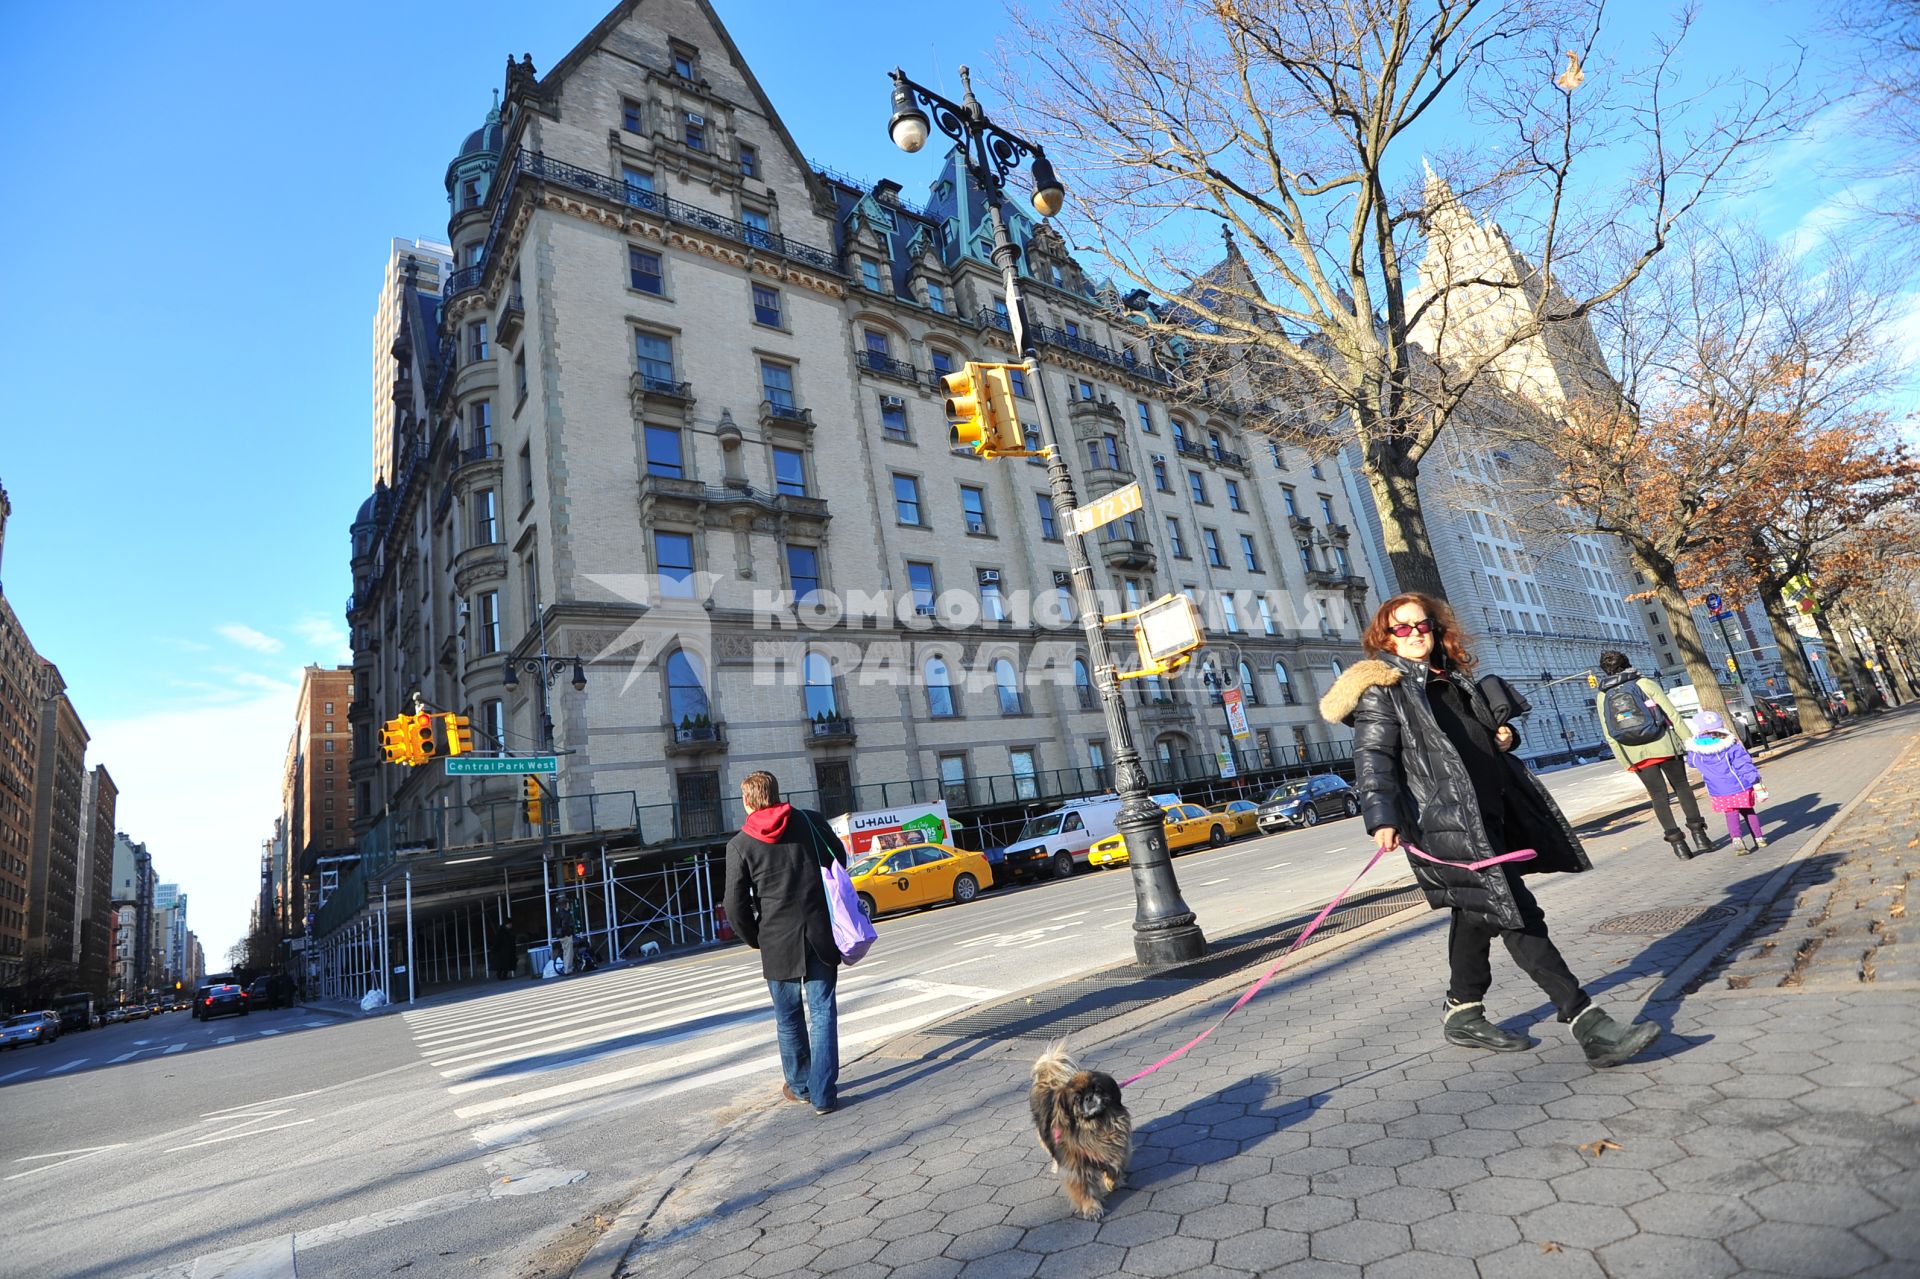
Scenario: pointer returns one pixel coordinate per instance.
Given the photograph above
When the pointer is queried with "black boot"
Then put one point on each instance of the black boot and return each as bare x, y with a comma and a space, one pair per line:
1467, 1025
1702, 842
1606, 1042
1678, 839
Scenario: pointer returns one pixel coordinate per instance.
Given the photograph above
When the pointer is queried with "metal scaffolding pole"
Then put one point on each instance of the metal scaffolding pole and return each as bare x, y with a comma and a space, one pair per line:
411, 988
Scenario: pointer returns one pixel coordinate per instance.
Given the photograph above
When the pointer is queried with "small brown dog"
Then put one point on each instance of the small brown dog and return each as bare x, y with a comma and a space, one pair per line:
1083, 1125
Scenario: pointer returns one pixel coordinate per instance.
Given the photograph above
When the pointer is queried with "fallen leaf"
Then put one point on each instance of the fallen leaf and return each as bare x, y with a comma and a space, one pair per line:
1594, 1149
1549, 1246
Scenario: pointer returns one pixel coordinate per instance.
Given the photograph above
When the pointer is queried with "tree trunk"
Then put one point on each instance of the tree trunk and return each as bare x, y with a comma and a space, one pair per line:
1813, 712
1395, 485
1842, 664
1897, 652
1686, 636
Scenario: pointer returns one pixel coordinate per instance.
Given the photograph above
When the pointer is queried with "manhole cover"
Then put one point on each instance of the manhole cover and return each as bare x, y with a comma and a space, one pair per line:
1671, 919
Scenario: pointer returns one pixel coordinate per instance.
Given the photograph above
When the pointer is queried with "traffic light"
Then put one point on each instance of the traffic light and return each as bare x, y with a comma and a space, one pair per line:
981, 410
393, 741
536, 809
580, 871
459, 734
420, 738
1593, 681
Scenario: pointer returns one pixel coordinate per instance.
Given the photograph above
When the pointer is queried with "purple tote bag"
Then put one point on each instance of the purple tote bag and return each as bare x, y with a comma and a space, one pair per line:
852, 930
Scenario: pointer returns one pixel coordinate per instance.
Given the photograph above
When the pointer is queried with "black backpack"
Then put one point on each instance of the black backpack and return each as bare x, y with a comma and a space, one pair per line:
1631, 717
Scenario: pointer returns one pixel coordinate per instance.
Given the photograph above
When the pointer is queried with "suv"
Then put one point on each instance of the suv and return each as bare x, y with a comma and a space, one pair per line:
217, 1000
1304, 803
29, 1028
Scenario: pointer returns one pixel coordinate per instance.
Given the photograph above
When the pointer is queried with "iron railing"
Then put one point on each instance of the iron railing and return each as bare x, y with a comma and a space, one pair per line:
886, 366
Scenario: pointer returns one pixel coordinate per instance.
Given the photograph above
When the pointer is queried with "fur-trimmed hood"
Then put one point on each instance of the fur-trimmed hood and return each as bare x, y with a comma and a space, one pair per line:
1336, 707
1712, 745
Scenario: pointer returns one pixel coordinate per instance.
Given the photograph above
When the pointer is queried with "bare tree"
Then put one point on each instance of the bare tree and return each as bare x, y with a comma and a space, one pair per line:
1876, 48
1295, 124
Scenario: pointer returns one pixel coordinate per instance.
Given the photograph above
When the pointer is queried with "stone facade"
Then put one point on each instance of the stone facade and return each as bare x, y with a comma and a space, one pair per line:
93, 940
424, 264
52, 897
316, 794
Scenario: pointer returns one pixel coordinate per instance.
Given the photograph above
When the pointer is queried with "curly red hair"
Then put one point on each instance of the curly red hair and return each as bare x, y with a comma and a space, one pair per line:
1450, 639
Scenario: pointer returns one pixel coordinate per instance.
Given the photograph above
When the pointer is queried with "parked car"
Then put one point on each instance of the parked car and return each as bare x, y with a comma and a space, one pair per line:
918, 875
1783, 713
1187, 826
1243, 816
217, 1001
30, 1028
1054, 844
1305, 802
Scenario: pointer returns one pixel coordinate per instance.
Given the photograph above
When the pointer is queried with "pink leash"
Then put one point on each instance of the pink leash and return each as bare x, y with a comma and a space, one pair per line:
1518, 855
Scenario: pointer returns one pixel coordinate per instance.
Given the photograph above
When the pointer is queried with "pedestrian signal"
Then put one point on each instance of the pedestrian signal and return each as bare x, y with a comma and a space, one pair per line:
981, 411
459, 734
536, 810
580, 870
420, 738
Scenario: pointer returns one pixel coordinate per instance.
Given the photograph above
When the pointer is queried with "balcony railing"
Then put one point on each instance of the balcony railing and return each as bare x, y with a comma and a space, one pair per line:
478, 453
467, 277
1128, 552
512, 316
886, 366
1122, 360
1338, 532
775, 411
988, 317
838, 728
1210, 453
648, 384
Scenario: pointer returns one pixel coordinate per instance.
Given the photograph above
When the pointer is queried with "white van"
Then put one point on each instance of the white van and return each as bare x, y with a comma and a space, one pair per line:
1055, 843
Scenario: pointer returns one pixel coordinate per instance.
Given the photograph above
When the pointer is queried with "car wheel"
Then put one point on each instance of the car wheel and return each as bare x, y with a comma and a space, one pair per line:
1310, 816
1216, 837
866, 905
1353, 806
966, 888
1062, 864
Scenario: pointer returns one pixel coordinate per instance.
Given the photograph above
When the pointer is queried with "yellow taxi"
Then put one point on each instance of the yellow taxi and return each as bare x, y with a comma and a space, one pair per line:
1187, 826
918, 875
1242, 817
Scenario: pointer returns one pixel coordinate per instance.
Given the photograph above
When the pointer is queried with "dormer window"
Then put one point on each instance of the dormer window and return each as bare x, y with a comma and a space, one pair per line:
686, 62
631, 116
749, 161
696, 131
470, 193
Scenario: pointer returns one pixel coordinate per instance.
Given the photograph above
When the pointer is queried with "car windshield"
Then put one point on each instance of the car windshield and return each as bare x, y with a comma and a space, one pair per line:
24, 1019
1040, 827
1291, 791
865, 865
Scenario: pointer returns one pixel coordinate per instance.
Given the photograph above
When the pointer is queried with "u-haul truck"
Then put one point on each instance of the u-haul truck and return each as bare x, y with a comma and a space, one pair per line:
881, 829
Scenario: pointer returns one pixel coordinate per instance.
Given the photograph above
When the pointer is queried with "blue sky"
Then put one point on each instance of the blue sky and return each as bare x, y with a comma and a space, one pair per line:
201, 198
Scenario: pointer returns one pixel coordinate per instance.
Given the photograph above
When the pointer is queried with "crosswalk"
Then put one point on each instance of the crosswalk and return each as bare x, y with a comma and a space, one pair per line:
653, 1030
141, 1049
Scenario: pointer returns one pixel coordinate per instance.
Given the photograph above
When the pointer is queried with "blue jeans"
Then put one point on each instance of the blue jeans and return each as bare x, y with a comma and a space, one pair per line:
805, 1014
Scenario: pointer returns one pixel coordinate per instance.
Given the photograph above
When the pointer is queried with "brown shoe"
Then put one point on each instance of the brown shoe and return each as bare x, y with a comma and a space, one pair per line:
786, 1090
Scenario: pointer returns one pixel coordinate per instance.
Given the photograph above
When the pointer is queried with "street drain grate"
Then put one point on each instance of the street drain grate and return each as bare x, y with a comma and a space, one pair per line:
1668, 919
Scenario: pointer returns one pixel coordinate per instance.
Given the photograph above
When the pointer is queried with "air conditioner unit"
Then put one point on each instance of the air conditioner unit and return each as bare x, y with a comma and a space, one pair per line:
694, 117
988, 574
892, 402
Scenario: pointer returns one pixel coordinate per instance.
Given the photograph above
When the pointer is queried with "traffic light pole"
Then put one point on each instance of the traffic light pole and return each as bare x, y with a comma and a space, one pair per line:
1164, 931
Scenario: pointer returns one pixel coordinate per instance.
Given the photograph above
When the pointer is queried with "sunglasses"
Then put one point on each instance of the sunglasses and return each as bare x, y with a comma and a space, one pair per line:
1424, 626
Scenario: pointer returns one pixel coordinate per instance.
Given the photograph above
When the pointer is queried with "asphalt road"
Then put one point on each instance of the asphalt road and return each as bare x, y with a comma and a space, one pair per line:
469, 1136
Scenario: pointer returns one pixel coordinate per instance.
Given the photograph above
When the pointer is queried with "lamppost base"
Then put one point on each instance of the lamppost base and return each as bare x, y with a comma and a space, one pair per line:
1158, 945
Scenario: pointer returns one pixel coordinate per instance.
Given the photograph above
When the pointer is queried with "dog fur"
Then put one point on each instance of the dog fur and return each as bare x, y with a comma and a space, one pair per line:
1083, 1126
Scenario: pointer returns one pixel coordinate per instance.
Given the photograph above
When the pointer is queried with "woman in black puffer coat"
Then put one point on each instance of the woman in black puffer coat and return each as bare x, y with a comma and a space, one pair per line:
1432, 763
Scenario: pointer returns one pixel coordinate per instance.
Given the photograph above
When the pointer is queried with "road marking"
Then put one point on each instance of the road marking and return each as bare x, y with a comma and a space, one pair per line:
69, 1065
227, 1040
245, 1129
1209, 883
1070, 915
64, 1156
16, 1074
1276, 866
173, 1048
316, 1023
269, 1032
126, 1057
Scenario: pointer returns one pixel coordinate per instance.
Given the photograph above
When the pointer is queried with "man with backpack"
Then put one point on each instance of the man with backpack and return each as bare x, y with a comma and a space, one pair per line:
1644, 730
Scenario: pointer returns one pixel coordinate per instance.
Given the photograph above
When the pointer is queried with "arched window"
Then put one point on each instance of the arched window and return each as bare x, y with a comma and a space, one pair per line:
686, 690
939, 689
1337, 668
1082, 684
1248, 689
1008, 685
1287, 696
818, 673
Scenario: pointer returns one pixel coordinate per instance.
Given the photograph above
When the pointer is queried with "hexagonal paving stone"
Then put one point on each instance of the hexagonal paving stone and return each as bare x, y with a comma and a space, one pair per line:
1390, 1152
1475, 1143
1404, 1204
1600, 1185
1508, 1196
1261, 1250
1223, 1221
983, 1242
1703, 1216
1134, 1229
1544, 1162
1856, 1101
1842, 1204
1309, 1213
1464, 1234
1862, 1074
1897, 1234
1819, 1252
1001, 1265
1585, 1107
1353, 1181
1651, 1254
1577, 1225
1527, 1261
1441, 1172
1084, 1262
1274, 1187
1734, 1143
1361, 1242
1189, 1196
1167, 1257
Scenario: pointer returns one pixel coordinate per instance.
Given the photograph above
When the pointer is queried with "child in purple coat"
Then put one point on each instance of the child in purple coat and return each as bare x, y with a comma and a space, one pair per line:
1732, 778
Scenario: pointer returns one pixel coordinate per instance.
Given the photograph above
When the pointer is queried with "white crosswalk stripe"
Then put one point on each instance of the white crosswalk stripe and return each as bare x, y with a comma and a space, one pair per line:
657, 1029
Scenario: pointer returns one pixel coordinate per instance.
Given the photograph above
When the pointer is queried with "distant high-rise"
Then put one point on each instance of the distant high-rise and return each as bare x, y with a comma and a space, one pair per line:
316, 805
93, 884
429, 262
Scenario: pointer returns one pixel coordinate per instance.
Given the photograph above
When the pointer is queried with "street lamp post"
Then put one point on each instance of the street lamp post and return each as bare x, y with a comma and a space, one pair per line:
1164, 930
1566, 738
547, 668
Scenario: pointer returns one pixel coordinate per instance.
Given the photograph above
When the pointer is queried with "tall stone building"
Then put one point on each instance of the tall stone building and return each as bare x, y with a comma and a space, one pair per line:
134, 883
316, 798
675, 422
20, 711
53, 895
421, 265
93, 882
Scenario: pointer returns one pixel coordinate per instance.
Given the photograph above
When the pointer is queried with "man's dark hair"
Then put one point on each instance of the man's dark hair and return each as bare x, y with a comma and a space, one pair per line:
1613, 661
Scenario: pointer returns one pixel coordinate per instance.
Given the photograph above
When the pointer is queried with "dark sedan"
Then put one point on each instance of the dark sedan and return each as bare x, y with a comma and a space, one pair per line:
217, 1001
1304, 803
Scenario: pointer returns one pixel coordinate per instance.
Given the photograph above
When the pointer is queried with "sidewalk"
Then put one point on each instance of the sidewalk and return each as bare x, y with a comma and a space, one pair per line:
1328, 1130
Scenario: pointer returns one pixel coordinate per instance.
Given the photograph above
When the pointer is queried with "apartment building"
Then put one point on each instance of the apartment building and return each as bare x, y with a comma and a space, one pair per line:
421, 265
316, 795
93, 882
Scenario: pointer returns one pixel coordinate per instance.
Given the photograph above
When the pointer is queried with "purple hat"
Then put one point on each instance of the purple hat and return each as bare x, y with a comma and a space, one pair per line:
1707, 722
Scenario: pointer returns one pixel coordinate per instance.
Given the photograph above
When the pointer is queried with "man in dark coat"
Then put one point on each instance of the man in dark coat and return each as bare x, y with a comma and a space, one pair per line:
778, 906
1433, 767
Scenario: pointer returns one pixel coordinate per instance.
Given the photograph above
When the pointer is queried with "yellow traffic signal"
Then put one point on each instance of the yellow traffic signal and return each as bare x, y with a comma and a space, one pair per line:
420, 738
393, 741
1593, 681
459, 734
536, 810
981, 410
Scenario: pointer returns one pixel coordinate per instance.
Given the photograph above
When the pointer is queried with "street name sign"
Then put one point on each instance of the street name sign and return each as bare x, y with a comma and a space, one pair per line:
497, 767
1105, 510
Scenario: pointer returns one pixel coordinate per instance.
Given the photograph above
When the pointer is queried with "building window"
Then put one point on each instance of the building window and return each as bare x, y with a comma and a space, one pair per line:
470, 193
820, 701
493, 723
631, 116
526, 474
1306, 556
973, 506
1273, 451
993, 606
329, 711
953, 780
673, 561
1178, 547
893, 418
803, 572
937, 298
1048, 529
695, 135
878, 346
1017, 379
663, 453
790, 472
1233, 496
1289, 500
1146, 416
1179, 430
942, 362
833, 782
939, 690
1314, 471
1197, 488
1160, 476
749, 161
906, 500
1086, 389
870, 274
776, 384
654, 355
1247, 552
687, 701
1104, 453
480, 420
1006, 684
759, 229
643, 271
1266, 613
1210, 538
766, 306
1229, 615
1082, 684
520, 375
1248, 689
1326, 508
1287, 696
1341, 562
476, 341
486, 518
489, 621
920, 583
1020, 763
